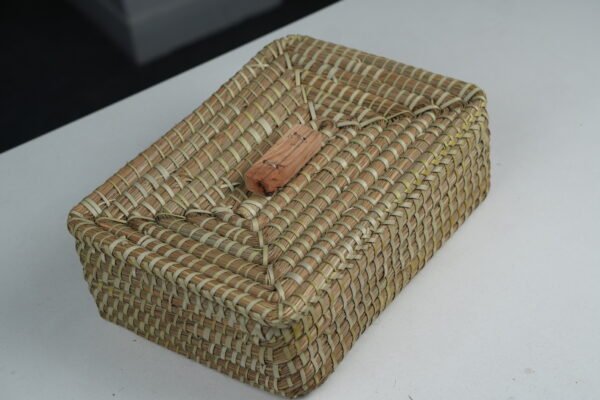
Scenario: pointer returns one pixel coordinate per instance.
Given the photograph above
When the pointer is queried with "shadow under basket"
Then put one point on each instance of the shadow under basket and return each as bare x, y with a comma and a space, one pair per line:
274, 290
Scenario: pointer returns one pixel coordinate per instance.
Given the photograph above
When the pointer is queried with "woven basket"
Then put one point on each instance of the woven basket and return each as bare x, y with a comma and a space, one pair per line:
273, 291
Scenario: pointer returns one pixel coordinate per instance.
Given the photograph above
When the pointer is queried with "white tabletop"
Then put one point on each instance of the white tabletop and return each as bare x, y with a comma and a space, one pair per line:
509, 308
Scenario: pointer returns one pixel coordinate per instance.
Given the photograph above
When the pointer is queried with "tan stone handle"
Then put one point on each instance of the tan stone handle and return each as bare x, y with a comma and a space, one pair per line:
283, 160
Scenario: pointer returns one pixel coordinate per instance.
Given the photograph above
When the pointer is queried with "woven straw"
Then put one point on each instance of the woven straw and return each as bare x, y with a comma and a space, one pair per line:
274, 291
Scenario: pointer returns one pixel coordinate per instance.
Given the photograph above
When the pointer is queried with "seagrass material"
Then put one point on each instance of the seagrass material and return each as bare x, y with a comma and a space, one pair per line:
274, 291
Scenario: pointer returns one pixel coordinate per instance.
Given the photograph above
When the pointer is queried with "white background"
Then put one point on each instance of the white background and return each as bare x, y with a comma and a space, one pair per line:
508, 309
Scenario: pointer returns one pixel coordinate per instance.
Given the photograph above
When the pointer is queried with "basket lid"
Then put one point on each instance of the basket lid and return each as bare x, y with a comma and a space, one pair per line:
182, 211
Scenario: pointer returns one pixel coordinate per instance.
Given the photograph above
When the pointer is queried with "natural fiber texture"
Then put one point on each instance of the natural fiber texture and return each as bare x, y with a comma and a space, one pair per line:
275, 290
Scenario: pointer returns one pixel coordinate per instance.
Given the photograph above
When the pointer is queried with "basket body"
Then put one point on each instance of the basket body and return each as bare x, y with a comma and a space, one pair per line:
273, 291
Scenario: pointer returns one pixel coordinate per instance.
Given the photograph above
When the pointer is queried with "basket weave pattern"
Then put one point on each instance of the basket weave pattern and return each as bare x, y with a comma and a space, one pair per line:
273, 291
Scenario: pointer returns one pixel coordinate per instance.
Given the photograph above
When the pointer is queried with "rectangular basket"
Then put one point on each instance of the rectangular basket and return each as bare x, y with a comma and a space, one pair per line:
273, 291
